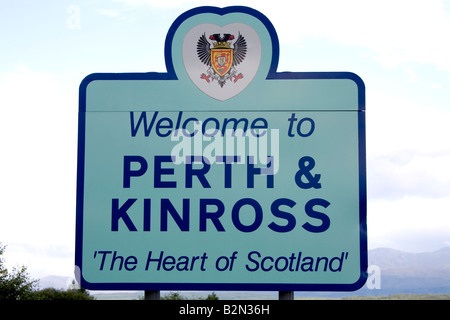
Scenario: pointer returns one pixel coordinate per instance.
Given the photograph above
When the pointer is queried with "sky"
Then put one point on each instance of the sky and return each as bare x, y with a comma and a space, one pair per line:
399, 48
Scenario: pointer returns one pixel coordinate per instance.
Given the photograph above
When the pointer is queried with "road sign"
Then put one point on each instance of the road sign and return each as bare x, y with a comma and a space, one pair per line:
221, 174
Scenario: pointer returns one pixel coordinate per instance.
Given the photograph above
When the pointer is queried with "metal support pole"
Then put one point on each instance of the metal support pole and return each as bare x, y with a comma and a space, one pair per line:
152, 295
285, 295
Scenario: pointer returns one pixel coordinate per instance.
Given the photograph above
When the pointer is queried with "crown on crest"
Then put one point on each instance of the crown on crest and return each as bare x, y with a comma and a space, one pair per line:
221, 45
221, 42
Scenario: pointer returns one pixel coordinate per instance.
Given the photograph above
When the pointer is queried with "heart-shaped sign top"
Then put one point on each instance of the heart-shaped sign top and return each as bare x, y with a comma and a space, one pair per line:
221, 61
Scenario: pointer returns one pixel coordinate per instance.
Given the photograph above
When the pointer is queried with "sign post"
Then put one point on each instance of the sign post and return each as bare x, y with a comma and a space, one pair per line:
221, 174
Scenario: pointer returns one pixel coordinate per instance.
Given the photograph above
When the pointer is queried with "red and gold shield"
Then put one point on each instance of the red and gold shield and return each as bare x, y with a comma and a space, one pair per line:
221, 60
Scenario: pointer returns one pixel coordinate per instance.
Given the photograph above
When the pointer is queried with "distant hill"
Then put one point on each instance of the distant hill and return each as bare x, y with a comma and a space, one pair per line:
392, 260
399, 273
56, 282
417, 273
403, 273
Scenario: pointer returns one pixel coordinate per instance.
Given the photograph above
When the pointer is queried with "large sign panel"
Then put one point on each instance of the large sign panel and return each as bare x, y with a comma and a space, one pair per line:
222, 174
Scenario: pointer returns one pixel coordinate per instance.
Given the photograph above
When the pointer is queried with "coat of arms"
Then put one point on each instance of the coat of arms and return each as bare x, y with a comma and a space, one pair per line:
222, 58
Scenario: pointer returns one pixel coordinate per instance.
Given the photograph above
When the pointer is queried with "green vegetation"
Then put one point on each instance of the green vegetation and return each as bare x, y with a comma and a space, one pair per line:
17, 285
177, 296
54, 294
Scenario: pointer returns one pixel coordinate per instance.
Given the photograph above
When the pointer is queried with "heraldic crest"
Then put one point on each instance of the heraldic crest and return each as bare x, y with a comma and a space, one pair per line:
222, 58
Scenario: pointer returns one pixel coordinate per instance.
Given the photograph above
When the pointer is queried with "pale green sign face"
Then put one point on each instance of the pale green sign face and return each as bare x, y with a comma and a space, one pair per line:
222, 174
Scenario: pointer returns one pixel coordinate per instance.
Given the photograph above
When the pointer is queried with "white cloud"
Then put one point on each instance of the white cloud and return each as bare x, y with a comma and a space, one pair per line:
411, 75
436, 86
38, 164
40, 260
409, 223
408, 176
407, 150
420, 175
109, 13
399, 32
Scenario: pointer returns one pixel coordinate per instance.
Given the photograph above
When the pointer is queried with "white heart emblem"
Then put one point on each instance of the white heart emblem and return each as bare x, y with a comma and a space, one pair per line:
221, 61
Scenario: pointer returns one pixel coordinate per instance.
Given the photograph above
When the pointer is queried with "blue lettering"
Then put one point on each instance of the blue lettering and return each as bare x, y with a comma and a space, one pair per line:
167, 207
200, 173
121, 213
235, 215
235, 121
262, 129
213, 216
165, 126
250, 258
299, 130
159, 126
275, 207
309, 209
311, 128
128, 173
246, 214
292, 119
252, 171
142, 119
147, 213
228, 161
187, 133
159, 171
216, 129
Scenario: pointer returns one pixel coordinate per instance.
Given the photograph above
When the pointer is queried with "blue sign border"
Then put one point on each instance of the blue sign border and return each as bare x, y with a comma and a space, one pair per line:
272, 75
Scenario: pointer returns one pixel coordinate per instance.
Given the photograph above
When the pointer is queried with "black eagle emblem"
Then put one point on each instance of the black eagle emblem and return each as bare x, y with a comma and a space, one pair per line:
221, 56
